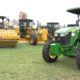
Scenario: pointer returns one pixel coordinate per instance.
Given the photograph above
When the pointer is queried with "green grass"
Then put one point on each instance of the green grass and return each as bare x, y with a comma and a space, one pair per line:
25, 62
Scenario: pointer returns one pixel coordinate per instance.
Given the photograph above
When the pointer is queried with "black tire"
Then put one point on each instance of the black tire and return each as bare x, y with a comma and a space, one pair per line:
78, 54
78, 58
46, 54
33, 39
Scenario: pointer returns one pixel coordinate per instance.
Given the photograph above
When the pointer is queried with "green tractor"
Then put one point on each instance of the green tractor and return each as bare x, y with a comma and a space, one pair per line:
67, 42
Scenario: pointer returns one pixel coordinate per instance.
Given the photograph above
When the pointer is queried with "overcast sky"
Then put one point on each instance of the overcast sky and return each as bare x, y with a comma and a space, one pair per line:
42, 10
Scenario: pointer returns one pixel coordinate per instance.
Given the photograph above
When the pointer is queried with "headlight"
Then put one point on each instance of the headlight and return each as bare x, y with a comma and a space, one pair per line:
62, 35
73, 34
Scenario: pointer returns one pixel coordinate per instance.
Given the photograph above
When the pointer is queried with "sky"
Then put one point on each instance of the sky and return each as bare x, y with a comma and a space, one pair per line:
40, 10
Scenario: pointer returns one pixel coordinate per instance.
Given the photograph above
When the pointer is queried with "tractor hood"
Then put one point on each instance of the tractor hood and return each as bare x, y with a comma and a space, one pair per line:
67, 29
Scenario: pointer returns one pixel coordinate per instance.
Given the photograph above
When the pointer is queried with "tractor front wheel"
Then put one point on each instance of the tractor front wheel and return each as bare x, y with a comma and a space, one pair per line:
47, 56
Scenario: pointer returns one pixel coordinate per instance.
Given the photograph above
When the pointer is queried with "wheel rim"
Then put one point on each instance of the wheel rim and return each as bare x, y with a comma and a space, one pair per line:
51, 55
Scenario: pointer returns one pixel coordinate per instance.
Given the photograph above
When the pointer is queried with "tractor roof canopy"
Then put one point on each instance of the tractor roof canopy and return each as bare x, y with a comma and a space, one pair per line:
2, 17
53, 23
77, 12
74, 10
29, 20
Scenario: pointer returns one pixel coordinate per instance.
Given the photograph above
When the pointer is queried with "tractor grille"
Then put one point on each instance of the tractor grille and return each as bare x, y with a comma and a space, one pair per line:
63, 40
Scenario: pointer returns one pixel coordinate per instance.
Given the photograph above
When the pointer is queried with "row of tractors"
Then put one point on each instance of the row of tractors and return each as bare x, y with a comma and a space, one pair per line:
35, 35
64, 41
24, 31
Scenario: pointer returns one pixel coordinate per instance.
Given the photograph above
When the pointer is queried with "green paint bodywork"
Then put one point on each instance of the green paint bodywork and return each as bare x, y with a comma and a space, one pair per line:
56, 49
68, 49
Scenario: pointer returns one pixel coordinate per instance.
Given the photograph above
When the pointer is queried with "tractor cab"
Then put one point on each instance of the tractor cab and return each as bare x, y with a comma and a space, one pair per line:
64, 36
25, 25
3, 21
52, 26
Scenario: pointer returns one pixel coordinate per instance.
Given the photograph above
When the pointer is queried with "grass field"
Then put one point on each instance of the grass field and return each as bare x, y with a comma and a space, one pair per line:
25, 62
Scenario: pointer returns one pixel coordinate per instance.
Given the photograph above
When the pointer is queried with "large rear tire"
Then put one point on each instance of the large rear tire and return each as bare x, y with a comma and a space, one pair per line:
78, 58
46, 53
33, 39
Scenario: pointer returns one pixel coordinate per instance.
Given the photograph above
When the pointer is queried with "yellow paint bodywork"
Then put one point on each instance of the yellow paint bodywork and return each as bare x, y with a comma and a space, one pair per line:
41, 32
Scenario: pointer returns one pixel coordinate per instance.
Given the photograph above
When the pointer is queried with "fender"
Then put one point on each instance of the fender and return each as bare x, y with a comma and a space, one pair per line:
56, 49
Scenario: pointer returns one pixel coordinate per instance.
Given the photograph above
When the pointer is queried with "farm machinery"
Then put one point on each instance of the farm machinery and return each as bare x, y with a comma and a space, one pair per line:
40, 34
66, 42
8, 36
27, 32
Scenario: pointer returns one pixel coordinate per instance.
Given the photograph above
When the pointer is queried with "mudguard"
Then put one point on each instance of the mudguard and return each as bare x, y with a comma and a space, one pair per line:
56, 49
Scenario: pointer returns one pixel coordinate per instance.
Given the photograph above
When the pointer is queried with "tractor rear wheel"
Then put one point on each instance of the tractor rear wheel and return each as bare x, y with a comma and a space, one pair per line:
78, 55
78, 58
33, 39
46, 53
